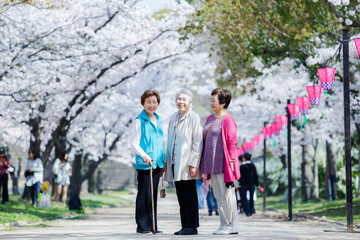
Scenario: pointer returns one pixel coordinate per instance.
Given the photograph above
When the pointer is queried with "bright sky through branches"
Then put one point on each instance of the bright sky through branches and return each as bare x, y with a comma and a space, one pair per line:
155, 5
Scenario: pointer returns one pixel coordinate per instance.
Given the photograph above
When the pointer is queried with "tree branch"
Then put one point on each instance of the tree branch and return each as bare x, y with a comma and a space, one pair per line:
333, 8
108, 21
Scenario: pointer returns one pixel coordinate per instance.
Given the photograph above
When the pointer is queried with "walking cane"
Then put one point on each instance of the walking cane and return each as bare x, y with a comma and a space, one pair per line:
152, 199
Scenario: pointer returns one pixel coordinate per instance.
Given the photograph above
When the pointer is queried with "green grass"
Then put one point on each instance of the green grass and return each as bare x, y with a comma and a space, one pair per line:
333, 210
21, 213
17, 211
111, 199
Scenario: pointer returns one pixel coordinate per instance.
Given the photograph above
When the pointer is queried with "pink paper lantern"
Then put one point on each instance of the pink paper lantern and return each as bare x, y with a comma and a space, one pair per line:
282, 121
247, 147
253, 144
267, 132
326, 76
275, 128
270, 131
314, 94
258, 138
357, 45
304, 104
294, 111
240, 151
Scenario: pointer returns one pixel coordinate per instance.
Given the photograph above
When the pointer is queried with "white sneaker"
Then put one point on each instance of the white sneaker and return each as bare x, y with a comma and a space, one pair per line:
226, 230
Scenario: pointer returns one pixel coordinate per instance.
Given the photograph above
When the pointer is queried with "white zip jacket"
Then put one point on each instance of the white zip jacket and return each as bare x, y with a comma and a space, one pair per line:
38, 175
187, 147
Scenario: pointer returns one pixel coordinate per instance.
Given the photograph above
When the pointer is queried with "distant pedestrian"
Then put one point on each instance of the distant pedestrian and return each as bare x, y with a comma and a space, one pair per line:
219, 159
62, 171
211, 202
249, 179
183, 160
147, 142
4, 177
200, 189
34, 174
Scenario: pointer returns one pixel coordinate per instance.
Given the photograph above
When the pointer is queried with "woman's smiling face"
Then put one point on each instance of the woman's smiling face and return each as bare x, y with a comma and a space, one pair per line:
183, 103
151, 104
215, 105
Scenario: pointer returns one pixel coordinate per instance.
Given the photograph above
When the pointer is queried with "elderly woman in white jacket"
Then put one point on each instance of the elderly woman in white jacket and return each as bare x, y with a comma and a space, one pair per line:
184, 147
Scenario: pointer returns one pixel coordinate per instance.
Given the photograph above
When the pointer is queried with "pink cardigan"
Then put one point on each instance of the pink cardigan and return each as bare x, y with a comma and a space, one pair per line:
229, 136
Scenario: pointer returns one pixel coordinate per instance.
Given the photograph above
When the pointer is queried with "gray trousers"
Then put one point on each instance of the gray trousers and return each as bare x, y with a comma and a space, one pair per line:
226, 202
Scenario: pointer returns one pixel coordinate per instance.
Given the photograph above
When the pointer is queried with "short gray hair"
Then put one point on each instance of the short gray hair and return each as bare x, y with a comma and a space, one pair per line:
187, 92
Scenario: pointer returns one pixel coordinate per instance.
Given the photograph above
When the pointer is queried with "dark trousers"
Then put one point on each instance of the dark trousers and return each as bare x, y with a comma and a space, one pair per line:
188, 201
34, 190
4, 178
248, 205
143, 211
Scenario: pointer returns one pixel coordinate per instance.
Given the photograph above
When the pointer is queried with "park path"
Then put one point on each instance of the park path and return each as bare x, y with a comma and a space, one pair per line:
118, 223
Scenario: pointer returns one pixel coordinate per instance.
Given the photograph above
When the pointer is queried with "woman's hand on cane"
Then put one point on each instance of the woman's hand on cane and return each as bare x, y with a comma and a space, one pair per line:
147, 160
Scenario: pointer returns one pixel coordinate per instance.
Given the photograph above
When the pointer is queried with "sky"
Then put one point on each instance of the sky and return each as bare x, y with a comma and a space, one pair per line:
155, 5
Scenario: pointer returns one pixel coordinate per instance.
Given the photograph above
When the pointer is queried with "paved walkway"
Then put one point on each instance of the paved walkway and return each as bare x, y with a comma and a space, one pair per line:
118, 223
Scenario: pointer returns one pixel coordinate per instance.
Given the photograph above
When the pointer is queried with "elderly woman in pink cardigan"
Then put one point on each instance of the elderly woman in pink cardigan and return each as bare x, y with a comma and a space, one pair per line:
219, 157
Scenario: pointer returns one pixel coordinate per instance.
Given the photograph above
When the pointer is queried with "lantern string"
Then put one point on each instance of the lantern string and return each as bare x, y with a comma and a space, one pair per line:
305, 120
336, 56
349, 40
327, 94
300, 124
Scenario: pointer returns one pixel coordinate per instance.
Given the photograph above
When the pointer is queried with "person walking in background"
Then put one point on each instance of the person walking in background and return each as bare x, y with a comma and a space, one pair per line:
211, 202
4, 177
147, 142
218, 159
249, 179
62, 171
183, 159
34, 174
200, 190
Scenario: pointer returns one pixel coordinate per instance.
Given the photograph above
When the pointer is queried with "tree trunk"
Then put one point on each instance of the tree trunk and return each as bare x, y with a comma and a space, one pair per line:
75, 183
34, 124
283, 160
330, 175
15, 179
316, 171
99, 181
307, 181
15, 184
92, 181
26, 194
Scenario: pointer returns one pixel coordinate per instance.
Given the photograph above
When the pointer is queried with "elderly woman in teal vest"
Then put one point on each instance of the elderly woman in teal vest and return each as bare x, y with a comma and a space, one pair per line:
147, 142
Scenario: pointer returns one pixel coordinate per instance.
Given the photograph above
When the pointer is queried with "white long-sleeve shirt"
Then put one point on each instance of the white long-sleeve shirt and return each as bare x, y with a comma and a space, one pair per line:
135, 138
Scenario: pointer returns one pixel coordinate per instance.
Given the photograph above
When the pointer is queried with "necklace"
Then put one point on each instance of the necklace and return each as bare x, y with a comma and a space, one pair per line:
220, 115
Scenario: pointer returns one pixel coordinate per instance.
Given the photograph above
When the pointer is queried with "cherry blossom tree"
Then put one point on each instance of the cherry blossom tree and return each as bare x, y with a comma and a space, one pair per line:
72, 76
